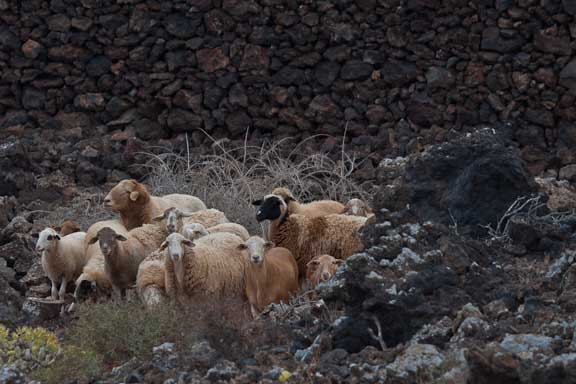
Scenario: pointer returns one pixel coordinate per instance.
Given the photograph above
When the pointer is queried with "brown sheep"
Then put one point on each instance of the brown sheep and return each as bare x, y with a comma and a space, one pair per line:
312, 209
136, 206
307, 237
271, 276
67, 227
357, 207
150, 279
320, 269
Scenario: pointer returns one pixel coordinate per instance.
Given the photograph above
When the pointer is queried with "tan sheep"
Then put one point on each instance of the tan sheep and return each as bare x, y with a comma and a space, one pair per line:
358, 207
271, 276
136, 206
204, 267
307, 237
312, 209
93, 280
195, 230
63, 258
320, 269
173, 219
123, 253
67, 227
150, 279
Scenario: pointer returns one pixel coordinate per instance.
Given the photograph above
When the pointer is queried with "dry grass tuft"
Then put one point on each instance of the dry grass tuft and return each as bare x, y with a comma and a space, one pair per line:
231, 178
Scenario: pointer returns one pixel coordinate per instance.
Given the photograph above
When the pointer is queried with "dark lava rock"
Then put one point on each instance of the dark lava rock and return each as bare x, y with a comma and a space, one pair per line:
356, 70
471, 180
10, 299
98, 66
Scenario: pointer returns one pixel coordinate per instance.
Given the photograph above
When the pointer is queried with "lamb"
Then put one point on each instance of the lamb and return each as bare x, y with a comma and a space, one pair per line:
174, 219
136, 206
203, 267
195, 230
357, 207
271, 276
307, 237
67, 227
320, 269
124, 253
63, 258
93, 280
312, 209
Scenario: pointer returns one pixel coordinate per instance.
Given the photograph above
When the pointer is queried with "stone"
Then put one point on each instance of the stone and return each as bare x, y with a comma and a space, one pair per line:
238, 122
397, 37
181, 26
68, 53
90, 102
217, 21
58, 23
33, 98
493, 41
254, 57
552, 44
289, 76
188, 100
212, 59
568, 172
202, 355
98, 66
438, 77
568, 76
10, 300
148, 130
526, 345
327, 72
397, 74
8, 206
356, 70
8, 39
418, 360
237, 95
323, 104
32, 49
569, 6
42, 309
224, 370
540, 117
180, 120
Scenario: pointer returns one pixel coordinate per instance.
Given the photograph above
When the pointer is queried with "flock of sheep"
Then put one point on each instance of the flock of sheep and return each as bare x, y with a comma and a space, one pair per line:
174, 248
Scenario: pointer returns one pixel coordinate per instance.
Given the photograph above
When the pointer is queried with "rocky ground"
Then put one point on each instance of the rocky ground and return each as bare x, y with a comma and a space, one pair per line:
446, 291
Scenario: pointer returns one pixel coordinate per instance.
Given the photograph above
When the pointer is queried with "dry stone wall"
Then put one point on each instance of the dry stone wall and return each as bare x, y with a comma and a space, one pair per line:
85, 84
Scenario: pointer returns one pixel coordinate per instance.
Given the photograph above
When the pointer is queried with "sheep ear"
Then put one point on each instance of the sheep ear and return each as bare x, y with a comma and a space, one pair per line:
257, 202
312, 263
57, 229
53, 237
35, 235
158, 218
163, 245
338, 262
269, 244
188, 243
93, 240
120, 238
242, 247
134, 195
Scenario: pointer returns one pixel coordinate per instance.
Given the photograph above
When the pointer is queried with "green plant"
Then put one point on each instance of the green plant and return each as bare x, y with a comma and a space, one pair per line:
28, 348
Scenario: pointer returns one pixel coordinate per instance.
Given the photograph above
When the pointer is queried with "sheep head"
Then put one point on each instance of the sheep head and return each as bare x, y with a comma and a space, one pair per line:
271, 207
172, 217
357, 207
47, 240
68, 227
256, 248
322, 268
175, 244
107, 240
284, 193
126, 195
194, 231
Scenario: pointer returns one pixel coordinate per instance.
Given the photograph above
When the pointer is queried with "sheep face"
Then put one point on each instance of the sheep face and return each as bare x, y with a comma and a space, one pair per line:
322, 268
107, 240
124, 195
67, 227
357, 207
175, 243
172, 217
271, 207
47, 240
194, 231
256, 248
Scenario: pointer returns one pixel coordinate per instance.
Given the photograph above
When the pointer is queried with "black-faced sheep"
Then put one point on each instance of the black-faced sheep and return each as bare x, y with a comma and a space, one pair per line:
136, 206
271, 276
311, 209
63, 258
307, 237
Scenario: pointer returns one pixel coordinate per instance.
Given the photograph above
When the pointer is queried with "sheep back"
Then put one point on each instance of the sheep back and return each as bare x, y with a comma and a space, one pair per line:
150, 277
233, 228
183, 202
207, 217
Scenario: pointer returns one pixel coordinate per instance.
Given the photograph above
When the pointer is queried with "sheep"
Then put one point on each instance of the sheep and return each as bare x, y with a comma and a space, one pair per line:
174, 219
67, 227
93, 280
321, 268
271, 276
63, 258
195, 231
150, 279
124, 253
357, 207
136, 206
203, 267
312, 209
307, 237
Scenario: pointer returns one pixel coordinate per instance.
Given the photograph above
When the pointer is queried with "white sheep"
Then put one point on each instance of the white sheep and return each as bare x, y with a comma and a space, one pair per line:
173, 219
195, 231
307, 237
62, 258
358, 207
123, 253
137, 206
204, 267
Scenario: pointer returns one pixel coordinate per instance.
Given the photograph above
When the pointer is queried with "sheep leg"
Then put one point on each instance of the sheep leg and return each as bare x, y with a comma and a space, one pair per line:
62, 291
255, 313
117, 293
54, 290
